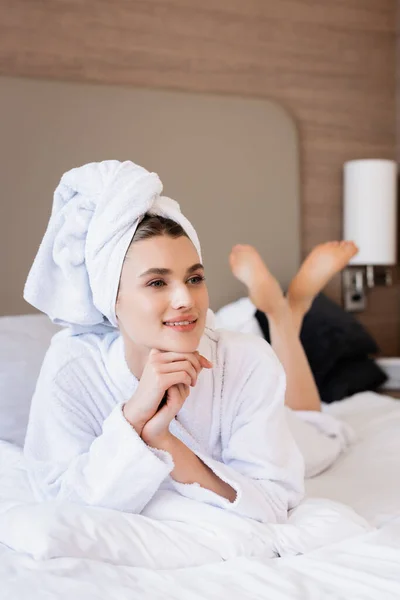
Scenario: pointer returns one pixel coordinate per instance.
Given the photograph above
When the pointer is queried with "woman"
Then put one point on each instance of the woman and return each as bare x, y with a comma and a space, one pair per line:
120, 267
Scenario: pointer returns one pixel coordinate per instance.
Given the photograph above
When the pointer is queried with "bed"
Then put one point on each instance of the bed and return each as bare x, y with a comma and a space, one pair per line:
74, 557
365, 478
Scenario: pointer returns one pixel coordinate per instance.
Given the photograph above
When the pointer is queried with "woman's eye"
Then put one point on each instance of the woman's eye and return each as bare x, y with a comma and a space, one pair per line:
157, 284
197, 279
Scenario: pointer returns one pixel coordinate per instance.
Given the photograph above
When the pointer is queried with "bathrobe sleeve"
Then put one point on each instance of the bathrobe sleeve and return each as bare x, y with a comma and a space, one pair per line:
260, 459
73, 454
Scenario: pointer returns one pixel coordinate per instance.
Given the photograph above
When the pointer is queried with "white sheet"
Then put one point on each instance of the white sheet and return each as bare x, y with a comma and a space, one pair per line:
367, 476
365, 566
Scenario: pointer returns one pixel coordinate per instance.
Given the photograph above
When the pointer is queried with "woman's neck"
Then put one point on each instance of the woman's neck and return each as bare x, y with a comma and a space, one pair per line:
136, 356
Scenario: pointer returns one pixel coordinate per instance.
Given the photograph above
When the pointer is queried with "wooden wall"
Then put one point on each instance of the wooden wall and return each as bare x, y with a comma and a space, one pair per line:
331, 63
398, 82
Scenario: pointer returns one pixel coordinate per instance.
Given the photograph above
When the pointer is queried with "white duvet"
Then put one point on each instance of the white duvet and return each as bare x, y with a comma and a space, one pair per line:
181, 549
171, 532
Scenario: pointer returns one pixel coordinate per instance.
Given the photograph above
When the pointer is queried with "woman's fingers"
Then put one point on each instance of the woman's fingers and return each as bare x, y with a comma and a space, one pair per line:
163, 356
177, 395
205, 363
182, 365
171, 379
198, 361
194, 358
184, 391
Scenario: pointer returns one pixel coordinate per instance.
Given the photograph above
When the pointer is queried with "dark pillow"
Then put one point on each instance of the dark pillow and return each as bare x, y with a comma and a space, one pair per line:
330, 336
350, 377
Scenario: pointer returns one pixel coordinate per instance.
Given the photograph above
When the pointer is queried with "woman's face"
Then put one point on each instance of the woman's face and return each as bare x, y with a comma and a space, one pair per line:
162, 284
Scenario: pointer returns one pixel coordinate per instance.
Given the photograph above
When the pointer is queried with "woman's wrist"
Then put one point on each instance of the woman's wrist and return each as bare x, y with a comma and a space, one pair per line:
133, 418
189, 468
163, 441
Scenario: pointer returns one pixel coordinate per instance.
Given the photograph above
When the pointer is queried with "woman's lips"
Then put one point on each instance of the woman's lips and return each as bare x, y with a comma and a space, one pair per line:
183, 326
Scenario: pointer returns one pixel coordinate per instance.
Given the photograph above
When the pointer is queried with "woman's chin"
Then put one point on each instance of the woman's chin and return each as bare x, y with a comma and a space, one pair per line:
182, 342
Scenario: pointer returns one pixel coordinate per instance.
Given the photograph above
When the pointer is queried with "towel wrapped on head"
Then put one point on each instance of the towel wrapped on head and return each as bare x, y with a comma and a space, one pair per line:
96, 210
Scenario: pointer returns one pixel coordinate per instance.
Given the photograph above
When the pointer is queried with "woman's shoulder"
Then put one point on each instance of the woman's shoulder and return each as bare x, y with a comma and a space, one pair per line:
70, 353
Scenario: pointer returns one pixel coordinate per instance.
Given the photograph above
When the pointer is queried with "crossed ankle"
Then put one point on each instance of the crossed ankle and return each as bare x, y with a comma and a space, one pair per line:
299, 306
279, 312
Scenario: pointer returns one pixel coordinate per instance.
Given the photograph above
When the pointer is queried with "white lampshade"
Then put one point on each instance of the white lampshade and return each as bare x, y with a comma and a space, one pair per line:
370, 210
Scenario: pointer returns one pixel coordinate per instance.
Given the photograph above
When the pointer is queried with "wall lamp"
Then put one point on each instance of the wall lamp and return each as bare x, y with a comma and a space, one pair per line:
370, 220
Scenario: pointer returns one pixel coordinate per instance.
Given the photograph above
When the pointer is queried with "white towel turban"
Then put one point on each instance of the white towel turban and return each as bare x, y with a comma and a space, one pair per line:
96, 210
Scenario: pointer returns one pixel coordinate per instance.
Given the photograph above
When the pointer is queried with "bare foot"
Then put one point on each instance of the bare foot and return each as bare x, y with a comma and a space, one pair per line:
323, 262
263, 289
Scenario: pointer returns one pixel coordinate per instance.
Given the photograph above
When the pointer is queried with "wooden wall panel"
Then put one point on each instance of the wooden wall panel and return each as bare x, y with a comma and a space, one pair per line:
330, 63
398, 84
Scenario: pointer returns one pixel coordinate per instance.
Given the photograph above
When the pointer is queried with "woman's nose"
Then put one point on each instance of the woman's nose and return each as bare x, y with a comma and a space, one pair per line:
181, 297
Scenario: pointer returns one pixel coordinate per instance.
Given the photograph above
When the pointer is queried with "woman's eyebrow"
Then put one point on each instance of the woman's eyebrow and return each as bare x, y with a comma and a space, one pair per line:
194, 268
156, 271
159, 271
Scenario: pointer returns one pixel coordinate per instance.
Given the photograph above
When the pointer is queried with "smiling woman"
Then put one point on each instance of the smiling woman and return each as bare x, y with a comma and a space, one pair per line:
129, 286
164, 308
155, 304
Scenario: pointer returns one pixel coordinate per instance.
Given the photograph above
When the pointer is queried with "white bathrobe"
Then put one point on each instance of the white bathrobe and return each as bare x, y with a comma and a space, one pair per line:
80, 448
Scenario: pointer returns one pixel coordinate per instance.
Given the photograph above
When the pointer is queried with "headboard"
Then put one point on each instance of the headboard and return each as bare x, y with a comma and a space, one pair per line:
231, 163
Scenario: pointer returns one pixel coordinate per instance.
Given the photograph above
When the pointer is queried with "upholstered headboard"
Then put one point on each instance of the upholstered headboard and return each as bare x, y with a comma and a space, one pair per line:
231, 163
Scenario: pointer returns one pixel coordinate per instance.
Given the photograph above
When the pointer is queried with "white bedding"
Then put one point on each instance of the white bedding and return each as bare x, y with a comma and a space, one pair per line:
367, 476
66, 552
364, 567
361, 565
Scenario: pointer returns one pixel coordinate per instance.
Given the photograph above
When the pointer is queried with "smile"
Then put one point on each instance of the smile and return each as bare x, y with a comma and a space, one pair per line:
179, 323
182, 326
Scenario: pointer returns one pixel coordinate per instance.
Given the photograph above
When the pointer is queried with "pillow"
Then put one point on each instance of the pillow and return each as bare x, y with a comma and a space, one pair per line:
349, 377
332, 336
23, 344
